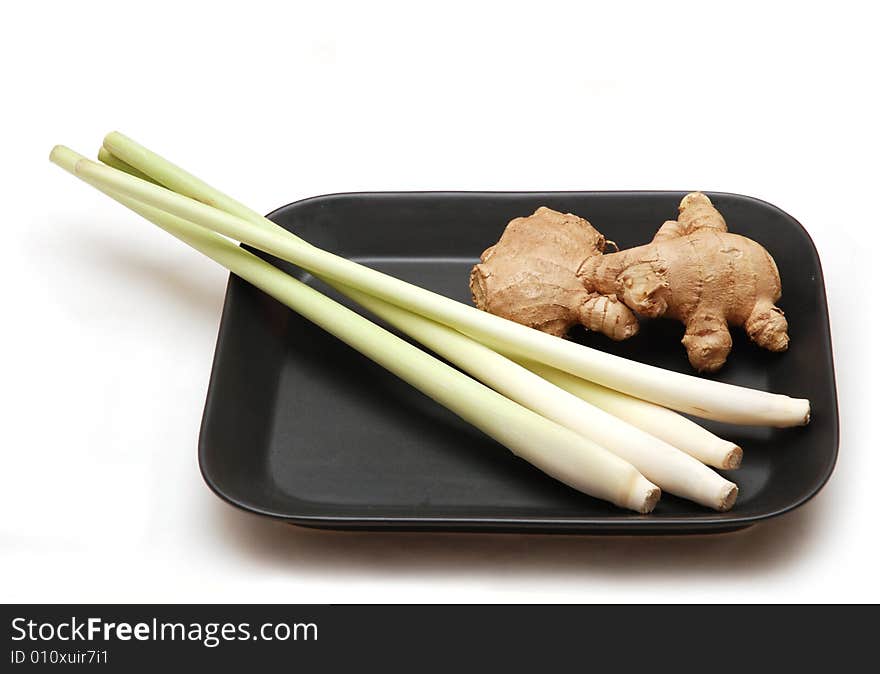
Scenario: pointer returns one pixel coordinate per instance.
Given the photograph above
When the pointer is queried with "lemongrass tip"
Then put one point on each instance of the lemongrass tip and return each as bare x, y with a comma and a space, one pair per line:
112, 137
57, 152
729, 498
651, 499
733, 458
64, 157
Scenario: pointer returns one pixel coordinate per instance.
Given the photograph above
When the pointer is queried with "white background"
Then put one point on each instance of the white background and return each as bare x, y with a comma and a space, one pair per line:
108, 325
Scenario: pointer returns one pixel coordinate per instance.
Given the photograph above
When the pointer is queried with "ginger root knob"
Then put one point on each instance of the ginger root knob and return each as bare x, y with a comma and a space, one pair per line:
697, 272
530, 276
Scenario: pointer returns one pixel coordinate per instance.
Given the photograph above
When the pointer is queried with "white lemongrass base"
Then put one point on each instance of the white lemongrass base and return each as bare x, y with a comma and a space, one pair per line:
677, 430
671, 469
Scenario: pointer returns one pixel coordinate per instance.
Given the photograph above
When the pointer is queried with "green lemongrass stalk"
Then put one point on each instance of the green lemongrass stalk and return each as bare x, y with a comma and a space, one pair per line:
670, 469
558, 451
177, 179
107, 157
685, 393
663, 423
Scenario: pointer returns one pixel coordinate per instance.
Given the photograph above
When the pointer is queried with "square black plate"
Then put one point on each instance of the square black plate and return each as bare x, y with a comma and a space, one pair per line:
300, 427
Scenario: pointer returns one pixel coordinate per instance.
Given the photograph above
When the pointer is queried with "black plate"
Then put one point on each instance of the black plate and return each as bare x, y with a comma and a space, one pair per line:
300, 427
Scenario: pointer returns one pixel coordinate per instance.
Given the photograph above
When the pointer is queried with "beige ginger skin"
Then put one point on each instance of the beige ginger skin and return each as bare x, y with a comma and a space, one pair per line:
530, 276
548, 271
697, 272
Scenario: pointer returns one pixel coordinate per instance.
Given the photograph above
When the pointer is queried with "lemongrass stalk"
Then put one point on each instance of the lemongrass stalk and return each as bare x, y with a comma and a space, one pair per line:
663, 423
685, 393
558, 451
660, 422
177, 179
659, 461
107, 157
669, 468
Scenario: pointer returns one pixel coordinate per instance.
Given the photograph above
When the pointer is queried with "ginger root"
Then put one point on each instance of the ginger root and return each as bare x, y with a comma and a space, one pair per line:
530, 276
697, 272
549, 271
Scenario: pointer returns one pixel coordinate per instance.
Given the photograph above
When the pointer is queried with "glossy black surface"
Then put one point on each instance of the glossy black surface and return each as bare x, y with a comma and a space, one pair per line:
301, 427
